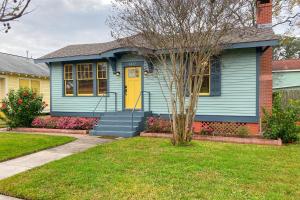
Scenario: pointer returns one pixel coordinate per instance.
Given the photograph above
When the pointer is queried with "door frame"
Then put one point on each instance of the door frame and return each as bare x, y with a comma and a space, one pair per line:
132, 64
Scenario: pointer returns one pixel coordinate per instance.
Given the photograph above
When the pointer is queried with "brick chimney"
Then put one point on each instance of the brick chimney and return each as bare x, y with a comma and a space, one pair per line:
264, 20
264, 13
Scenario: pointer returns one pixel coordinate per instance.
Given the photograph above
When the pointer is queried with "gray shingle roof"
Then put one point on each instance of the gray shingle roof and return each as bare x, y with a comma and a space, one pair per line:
22, 65
252, 34
83, 50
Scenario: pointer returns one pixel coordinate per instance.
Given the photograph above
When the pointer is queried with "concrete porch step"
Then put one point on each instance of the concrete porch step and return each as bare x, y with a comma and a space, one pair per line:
115, 128
125, 134
120, 124
125, 113
121, 117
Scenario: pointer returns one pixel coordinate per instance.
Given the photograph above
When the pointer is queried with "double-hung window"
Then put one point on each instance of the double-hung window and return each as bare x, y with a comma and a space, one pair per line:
85, 79
24, 83
205, 89
102, 78
35, 86
68, 79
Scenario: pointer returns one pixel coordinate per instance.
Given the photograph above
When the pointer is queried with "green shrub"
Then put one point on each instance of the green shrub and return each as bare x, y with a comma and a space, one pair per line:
243, 131
281, 123
21, 107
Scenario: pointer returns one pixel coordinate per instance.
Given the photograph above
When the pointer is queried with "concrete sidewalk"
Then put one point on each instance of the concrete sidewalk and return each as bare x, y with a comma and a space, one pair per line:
2, 197
18, 165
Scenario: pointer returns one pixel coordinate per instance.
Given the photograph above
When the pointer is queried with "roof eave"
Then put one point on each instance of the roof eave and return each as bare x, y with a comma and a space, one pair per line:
112, 52
286, 70
103, 55
67, 58
264, 43
23, 74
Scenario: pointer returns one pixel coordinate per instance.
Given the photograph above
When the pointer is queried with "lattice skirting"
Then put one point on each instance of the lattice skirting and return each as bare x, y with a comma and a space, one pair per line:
226, 128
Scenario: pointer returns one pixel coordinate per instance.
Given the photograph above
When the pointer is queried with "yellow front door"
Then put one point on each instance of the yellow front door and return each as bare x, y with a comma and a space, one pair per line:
133, 85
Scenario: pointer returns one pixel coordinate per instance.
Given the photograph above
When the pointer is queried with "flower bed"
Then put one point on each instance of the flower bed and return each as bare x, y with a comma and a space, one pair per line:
74, 123
231, 129
158, 125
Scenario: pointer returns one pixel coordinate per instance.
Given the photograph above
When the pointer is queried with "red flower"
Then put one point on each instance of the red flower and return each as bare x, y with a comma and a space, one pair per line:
20, 101
4, 106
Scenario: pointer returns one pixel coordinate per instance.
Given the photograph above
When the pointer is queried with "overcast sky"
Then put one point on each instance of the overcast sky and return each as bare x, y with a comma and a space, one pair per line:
53, 24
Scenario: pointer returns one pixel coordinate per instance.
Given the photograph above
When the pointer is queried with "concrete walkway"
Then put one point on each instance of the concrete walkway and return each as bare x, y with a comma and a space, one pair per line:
18, 165
2, 197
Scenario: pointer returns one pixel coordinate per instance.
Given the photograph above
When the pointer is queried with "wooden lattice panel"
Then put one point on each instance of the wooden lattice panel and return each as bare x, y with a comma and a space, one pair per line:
224, 128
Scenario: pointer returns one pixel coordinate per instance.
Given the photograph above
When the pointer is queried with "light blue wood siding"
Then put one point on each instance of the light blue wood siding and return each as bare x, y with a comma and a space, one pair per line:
286, 80
238, 92
238, 88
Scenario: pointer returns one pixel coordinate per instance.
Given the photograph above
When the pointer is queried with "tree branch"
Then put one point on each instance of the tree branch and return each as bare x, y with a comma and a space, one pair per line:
11, 10
14, 12
288, 20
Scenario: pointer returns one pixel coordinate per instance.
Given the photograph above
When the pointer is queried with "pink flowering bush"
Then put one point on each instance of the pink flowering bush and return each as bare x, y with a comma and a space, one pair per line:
38, 122
79, 123
158, 125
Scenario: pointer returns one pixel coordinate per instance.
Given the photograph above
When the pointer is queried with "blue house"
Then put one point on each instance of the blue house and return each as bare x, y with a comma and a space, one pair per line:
286, 74
111, 80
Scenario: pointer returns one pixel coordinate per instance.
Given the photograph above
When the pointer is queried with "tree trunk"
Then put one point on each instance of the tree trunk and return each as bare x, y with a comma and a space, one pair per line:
181, 134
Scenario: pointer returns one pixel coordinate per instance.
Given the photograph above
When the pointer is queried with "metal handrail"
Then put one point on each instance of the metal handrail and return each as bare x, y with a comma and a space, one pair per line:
149, 100
115, 95
132, 112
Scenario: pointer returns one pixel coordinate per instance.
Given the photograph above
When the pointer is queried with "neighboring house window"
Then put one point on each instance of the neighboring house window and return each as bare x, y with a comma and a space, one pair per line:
35, 86
24, 83
68, 78
85, 79
205, 89
102, 78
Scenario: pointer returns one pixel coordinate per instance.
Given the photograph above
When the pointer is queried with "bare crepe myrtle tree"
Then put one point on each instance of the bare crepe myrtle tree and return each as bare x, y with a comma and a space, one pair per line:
184, 38
11, 10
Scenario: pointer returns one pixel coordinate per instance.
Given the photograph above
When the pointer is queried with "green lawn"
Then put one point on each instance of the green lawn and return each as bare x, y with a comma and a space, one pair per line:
144, 168
14, 145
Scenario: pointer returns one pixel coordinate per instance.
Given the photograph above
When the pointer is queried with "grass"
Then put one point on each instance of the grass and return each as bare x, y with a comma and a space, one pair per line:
14, 145
148, 168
